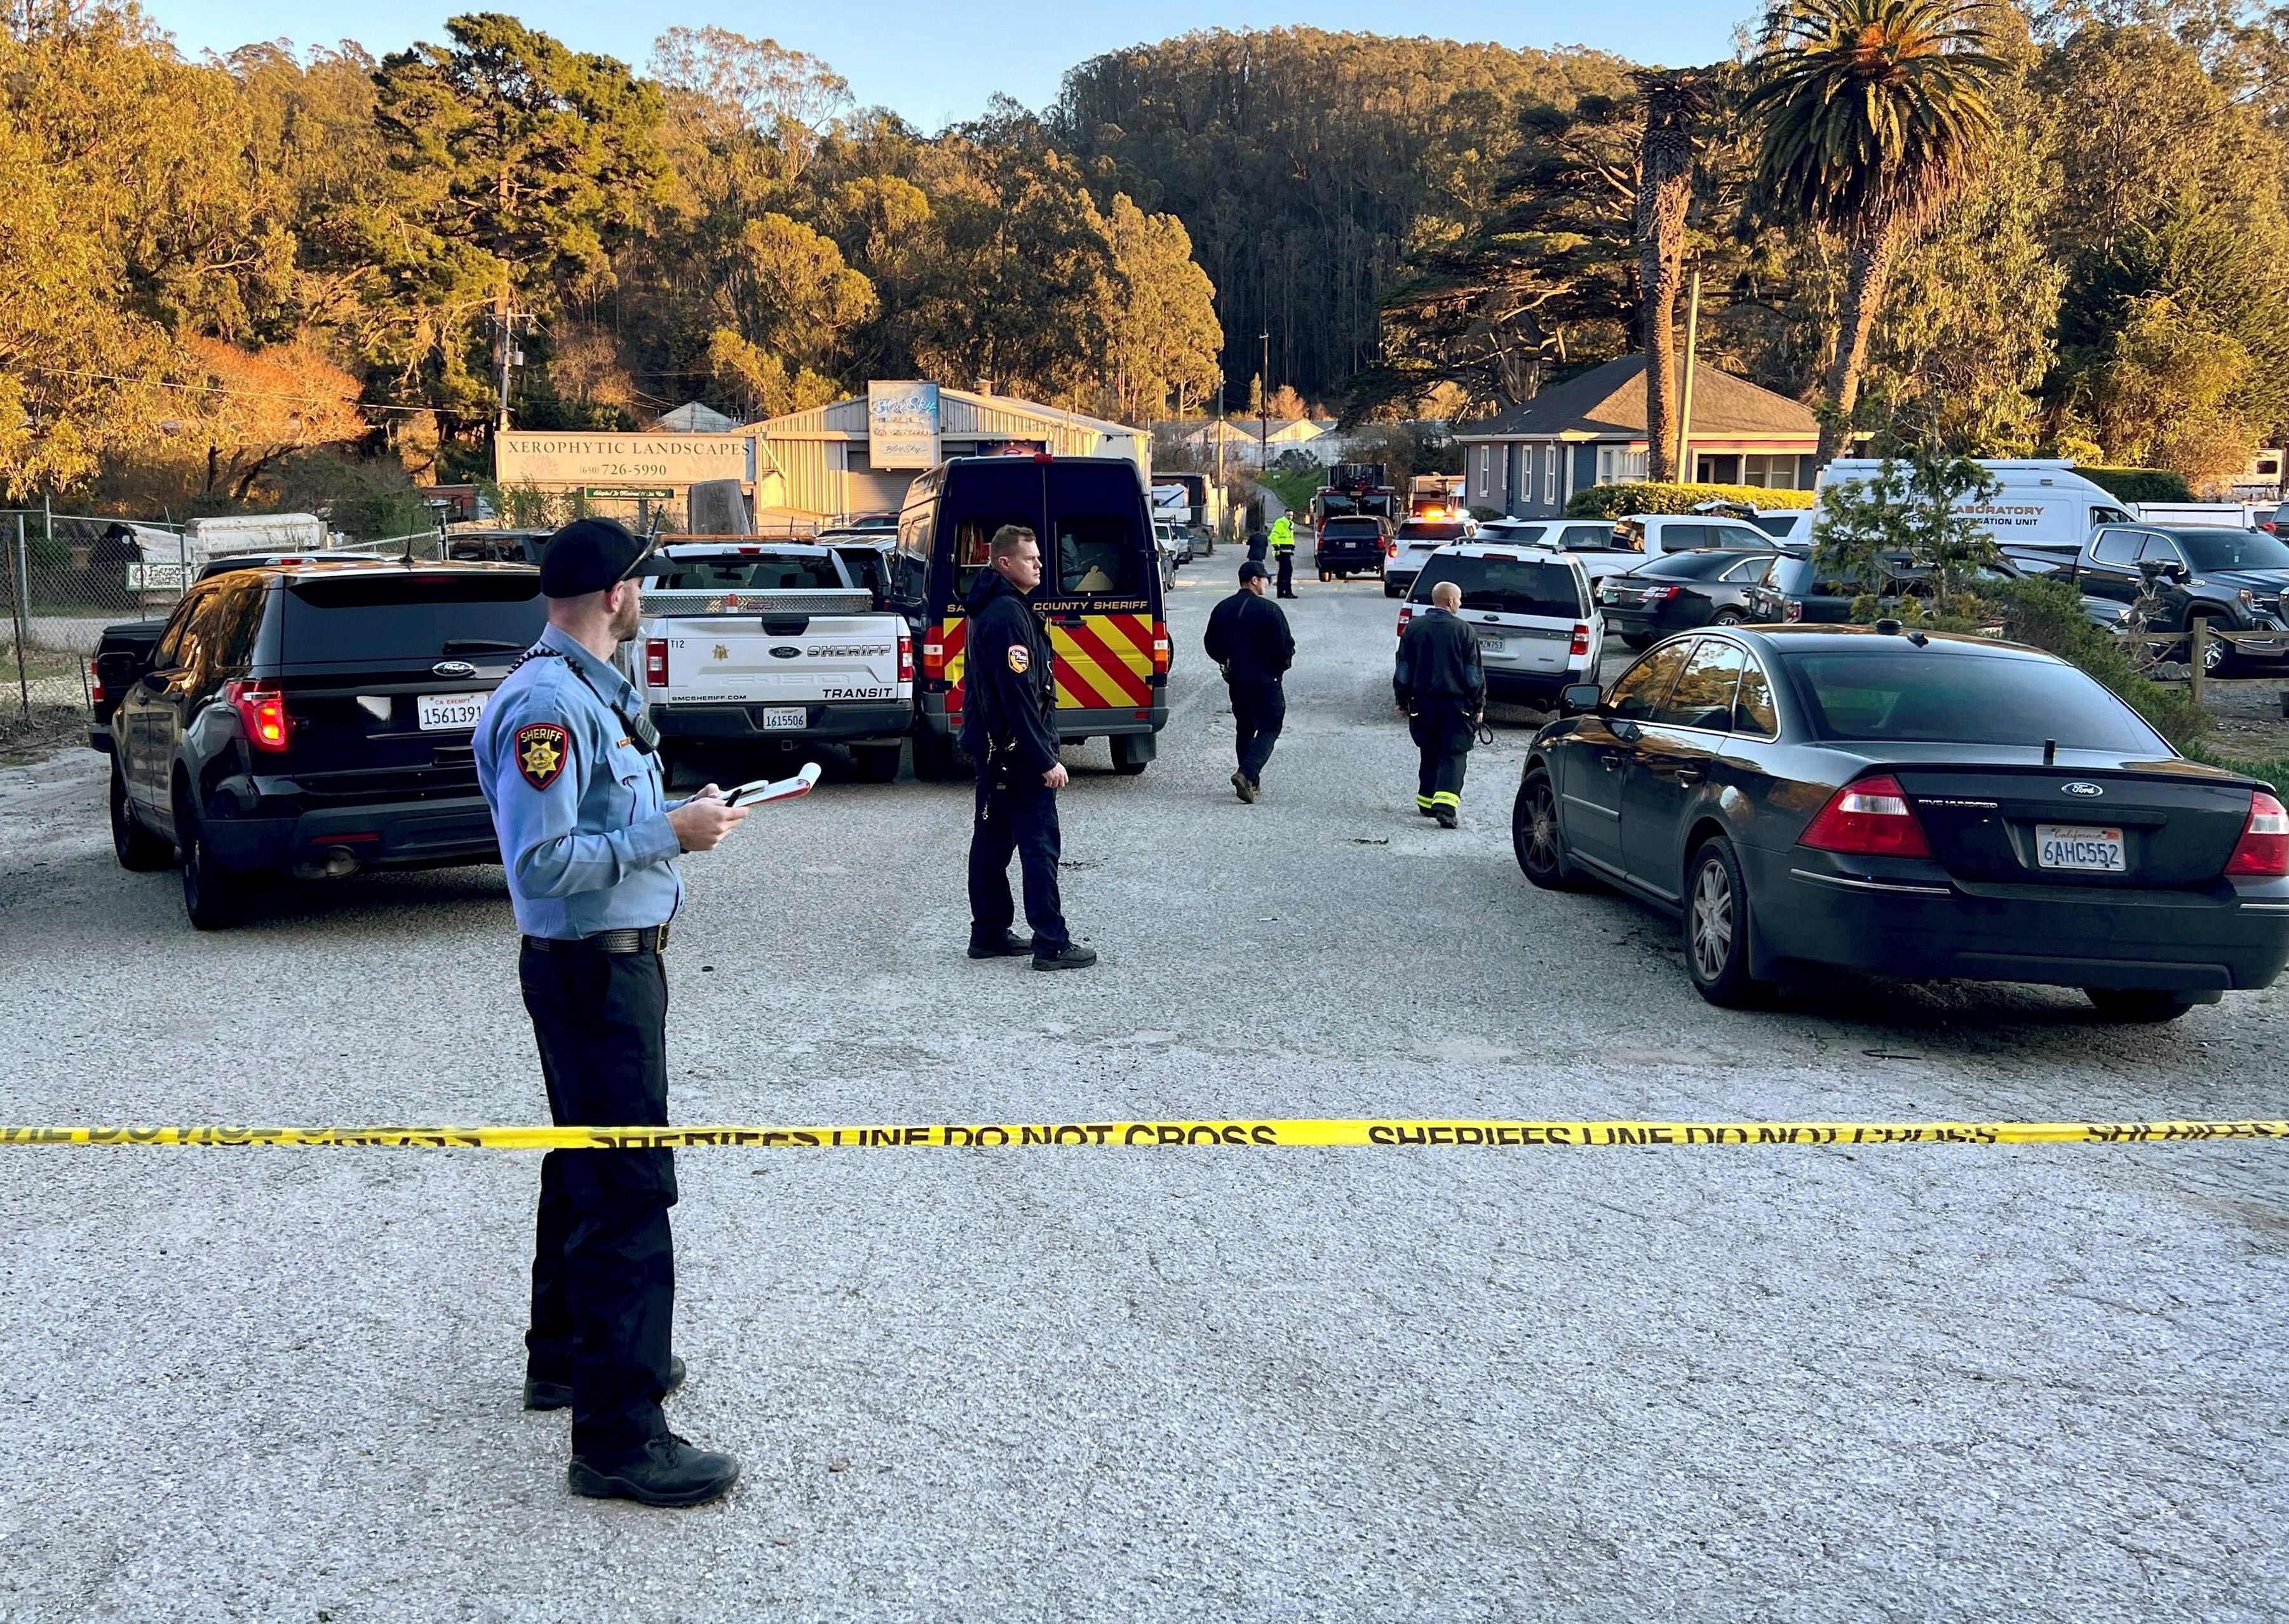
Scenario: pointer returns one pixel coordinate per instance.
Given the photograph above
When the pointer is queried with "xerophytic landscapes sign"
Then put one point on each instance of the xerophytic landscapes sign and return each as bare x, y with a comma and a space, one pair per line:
548, 459
901, 425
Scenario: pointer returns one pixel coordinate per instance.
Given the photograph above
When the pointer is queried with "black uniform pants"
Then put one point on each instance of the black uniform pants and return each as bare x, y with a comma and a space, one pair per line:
1258, 711
1444, 733
1287, 573
1020, 819
604, 1263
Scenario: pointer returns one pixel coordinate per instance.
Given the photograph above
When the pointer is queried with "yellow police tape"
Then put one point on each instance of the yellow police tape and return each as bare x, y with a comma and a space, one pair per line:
1273, 1130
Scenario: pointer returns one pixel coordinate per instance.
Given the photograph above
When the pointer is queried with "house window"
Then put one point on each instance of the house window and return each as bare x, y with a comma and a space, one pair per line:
1618, 464
1550, 474
1775, 471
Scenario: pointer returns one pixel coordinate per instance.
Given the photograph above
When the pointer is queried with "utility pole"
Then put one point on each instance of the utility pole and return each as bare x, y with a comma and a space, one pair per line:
1685, 402
1263, 407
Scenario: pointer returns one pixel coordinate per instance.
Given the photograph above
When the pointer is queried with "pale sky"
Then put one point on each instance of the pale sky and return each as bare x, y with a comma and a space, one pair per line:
937, 60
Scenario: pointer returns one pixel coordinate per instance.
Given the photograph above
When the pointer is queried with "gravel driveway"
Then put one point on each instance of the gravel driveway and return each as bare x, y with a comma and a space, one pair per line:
1917, 1383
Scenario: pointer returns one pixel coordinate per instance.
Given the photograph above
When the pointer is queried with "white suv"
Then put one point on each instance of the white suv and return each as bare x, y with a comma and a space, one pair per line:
1416, 540
1538, 630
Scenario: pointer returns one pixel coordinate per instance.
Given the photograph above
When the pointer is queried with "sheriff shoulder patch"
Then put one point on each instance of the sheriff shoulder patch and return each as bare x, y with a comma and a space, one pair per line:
541, 747
1020, 657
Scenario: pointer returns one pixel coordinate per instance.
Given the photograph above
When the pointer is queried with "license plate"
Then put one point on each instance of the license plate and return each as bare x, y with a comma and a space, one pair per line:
1492, 645
449, 712
776, 717
2075, 846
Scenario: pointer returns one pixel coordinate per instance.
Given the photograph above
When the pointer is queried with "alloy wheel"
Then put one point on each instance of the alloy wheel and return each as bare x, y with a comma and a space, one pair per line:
1542, 831
1712, 920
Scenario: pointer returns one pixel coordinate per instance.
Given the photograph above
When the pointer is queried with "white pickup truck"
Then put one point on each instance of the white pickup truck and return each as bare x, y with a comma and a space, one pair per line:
772, 645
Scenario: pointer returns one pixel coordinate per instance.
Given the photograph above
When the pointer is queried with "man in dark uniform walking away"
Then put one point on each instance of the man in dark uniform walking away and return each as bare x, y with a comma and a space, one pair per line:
1248, 637
567, 759
1257, 542
1442, 691
1009, 729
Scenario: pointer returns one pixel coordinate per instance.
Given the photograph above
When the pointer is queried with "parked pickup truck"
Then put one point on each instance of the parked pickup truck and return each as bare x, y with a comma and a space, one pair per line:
2234, 579
772, 645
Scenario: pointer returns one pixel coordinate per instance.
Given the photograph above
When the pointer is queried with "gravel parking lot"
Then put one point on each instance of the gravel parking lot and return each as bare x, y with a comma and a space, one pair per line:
1921, 1383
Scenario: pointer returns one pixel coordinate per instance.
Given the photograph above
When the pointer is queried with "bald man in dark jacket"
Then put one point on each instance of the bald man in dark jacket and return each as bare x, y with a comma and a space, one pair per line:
1442, 689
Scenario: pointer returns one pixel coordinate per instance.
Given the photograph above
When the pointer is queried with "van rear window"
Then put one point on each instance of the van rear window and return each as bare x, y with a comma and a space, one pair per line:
1353, 530
1505, 586
368, 619
1097, 556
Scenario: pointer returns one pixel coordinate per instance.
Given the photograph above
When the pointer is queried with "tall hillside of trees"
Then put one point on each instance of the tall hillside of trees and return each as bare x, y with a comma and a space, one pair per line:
1307, 165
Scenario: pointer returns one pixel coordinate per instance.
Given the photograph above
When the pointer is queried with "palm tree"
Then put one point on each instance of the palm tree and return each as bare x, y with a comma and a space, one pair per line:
1677, 102
1874, 116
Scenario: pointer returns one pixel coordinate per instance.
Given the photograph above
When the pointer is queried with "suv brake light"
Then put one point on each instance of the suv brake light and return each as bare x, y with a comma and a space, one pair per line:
656, 662
1581, 638
261, 711
905, 657
1792, 611
2262, 852
1868, 817
1406, 613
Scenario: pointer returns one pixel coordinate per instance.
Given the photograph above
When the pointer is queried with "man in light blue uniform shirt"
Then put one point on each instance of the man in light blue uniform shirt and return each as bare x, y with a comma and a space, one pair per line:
567, 759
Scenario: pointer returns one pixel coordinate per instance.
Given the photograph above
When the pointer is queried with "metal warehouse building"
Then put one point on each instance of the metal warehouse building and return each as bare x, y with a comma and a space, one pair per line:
824, 462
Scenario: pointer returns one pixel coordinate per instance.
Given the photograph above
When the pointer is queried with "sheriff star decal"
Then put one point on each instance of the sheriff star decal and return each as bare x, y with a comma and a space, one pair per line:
541, 747
1020, 657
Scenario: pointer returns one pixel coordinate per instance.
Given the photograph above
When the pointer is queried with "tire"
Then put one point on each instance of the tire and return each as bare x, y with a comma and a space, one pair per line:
1636, 640
2217, 657
215, 897
933, 757
671, 763
1323, 576
1717, 928
877, 763
1127, 761
138, 850
1389, 591
1727, 617
1536, 837
2136, 1008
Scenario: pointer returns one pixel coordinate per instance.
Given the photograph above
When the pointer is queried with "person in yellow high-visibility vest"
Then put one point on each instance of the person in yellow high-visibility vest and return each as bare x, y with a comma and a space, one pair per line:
1283, 549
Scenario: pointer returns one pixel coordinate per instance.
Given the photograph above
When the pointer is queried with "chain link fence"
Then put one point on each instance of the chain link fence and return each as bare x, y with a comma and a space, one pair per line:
68, 577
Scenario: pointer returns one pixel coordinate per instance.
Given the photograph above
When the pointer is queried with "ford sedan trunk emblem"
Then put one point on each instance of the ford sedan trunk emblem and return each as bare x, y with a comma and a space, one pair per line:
2078, 787
454, 668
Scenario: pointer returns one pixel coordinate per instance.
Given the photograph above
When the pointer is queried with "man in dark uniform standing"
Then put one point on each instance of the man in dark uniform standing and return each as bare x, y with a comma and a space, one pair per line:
566, 758
1009, 730
1248, 637
1442, 691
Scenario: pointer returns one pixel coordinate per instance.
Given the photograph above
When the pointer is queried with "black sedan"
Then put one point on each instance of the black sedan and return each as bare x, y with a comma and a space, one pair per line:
1909, 805
1797, 591
1680, 590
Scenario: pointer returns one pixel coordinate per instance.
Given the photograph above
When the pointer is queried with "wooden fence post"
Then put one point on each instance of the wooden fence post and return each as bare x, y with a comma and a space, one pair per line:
2197, 665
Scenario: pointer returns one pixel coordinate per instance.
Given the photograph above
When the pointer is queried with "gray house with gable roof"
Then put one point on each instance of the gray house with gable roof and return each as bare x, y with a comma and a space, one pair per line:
1528, 462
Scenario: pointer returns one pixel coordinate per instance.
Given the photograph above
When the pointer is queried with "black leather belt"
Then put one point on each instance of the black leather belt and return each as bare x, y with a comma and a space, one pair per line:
636, 939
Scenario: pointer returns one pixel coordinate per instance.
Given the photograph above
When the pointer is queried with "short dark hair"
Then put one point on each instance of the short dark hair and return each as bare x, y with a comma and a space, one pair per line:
1007, 539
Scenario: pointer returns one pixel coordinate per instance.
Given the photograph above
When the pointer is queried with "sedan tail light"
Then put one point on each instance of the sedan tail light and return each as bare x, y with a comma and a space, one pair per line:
2262, 852
905, 657
1659, 594
656, 662
261, 711
1581, 638
1868, 817
1405, 613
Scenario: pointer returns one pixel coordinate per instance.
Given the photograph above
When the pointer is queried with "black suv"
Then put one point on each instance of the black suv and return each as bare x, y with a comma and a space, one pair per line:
310, 720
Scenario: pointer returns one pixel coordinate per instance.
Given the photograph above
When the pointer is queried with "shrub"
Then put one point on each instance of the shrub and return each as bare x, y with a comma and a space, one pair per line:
2136, 485
1617, 501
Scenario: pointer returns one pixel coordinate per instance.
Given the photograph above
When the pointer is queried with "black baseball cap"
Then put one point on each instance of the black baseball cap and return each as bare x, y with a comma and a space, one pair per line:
1252, 571
591, 555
